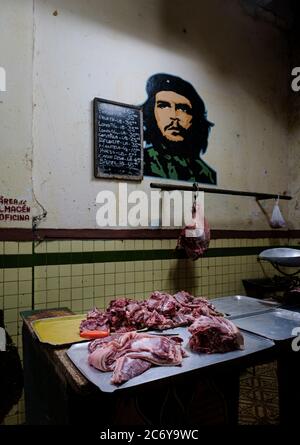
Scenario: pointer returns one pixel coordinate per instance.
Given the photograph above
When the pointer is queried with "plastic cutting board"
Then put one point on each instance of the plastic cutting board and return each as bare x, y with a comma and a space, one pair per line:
59, 330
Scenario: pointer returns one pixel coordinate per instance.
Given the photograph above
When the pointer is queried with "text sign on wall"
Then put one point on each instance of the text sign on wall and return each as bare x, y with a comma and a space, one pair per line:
13, 209
118, 140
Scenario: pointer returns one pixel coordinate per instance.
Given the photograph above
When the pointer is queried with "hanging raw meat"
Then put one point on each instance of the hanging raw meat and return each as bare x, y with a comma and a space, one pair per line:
194, 238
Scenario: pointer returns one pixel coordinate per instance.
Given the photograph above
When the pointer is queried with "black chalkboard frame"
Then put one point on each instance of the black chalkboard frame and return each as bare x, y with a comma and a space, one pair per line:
97, 172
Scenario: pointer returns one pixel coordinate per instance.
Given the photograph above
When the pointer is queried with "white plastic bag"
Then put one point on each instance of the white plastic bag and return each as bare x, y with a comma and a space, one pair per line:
277, 220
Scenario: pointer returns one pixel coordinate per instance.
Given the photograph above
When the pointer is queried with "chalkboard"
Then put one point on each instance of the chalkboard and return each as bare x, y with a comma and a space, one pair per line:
118, 140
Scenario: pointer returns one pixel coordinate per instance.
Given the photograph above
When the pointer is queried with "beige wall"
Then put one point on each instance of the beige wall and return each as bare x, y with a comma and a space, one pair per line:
109, 49
16, 52
294, 141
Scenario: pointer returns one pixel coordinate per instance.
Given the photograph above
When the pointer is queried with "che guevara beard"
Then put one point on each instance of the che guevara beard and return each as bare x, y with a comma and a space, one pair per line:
183, 148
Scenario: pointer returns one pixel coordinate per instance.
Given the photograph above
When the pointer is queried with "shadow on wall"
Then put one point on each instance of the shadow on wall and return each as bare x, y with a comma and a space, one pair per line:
242, 51
182, 276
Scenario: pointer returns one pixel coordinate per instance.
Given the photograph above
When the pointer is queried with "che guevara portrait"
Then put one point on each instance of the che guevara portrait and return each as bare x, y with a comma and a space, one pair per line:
176, 131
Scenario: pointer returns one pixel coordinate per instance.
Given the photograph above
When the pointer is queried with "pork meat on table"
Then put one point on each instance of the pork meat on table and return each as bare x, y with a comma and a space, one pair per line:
160, 311
214, 334
129, 355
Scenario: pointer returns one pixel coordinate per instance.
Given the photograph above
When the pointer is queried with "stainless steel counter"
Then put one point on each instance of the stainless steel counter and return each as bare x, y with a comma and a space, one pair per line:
78, 353
239, 305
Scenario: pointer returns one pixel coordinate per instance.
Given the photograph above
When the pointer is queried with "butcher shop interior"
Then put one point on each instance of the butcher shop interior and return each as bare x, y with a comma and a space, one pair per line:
149, 213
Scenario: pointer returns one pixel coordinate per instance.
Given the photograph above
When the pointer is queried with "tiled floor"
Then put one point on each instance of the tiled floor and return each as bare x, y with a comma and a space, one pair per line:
259, 396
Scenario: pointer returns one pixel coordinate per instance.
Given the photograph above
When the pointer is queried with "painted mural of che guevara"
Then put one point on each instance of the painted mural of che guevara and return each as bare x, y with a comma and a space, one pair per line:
176, 131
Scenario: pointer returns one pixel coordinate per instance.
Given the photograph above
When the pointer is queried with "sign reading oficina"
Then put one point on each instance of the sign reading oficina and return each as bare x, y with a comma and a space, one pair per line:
2, 79
13, 209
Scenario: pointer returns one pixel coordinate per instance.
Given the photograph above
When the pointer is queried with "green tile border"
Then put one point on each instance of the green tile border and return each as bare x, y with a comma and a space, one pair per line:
44, 259
18, 260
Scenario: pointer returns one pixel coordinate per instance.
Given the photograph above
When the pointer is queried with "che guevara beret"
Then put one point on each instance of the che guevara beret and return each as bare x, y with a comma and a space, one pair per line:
168, 82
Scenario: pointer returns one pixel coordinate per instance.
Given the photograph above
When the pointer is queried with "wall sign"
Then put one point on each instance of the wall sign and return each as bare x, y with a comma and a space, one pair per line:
13, 209
118, 140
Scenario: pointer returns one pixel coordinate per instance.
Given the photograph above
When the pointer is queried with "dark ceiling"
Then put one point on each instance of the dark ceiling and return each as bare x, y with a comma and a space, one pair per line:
284, 14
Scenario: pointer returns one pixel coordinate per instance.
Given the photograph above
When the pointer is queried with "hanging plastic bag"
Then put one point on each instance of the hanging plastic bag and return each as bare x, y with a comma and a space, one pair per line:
277, 220
194, 238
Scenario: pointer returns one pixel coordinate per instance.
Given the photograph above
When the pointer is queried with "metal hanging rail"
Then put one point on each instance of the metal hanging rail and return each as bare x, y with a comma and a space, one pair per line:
196, 187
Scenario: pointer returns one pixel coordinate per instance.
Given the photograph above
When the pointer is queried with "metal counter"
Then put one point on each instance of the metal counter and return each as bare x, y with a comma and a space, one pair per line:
276, 324
78, 353
239, 305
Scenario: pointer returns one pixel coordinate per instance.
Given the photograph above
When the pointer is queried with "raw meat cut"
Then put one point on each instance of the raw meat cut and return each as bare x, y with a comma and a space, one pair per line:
160, 311
192, 240
132, 353
96, 320
214, 334
128, 367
